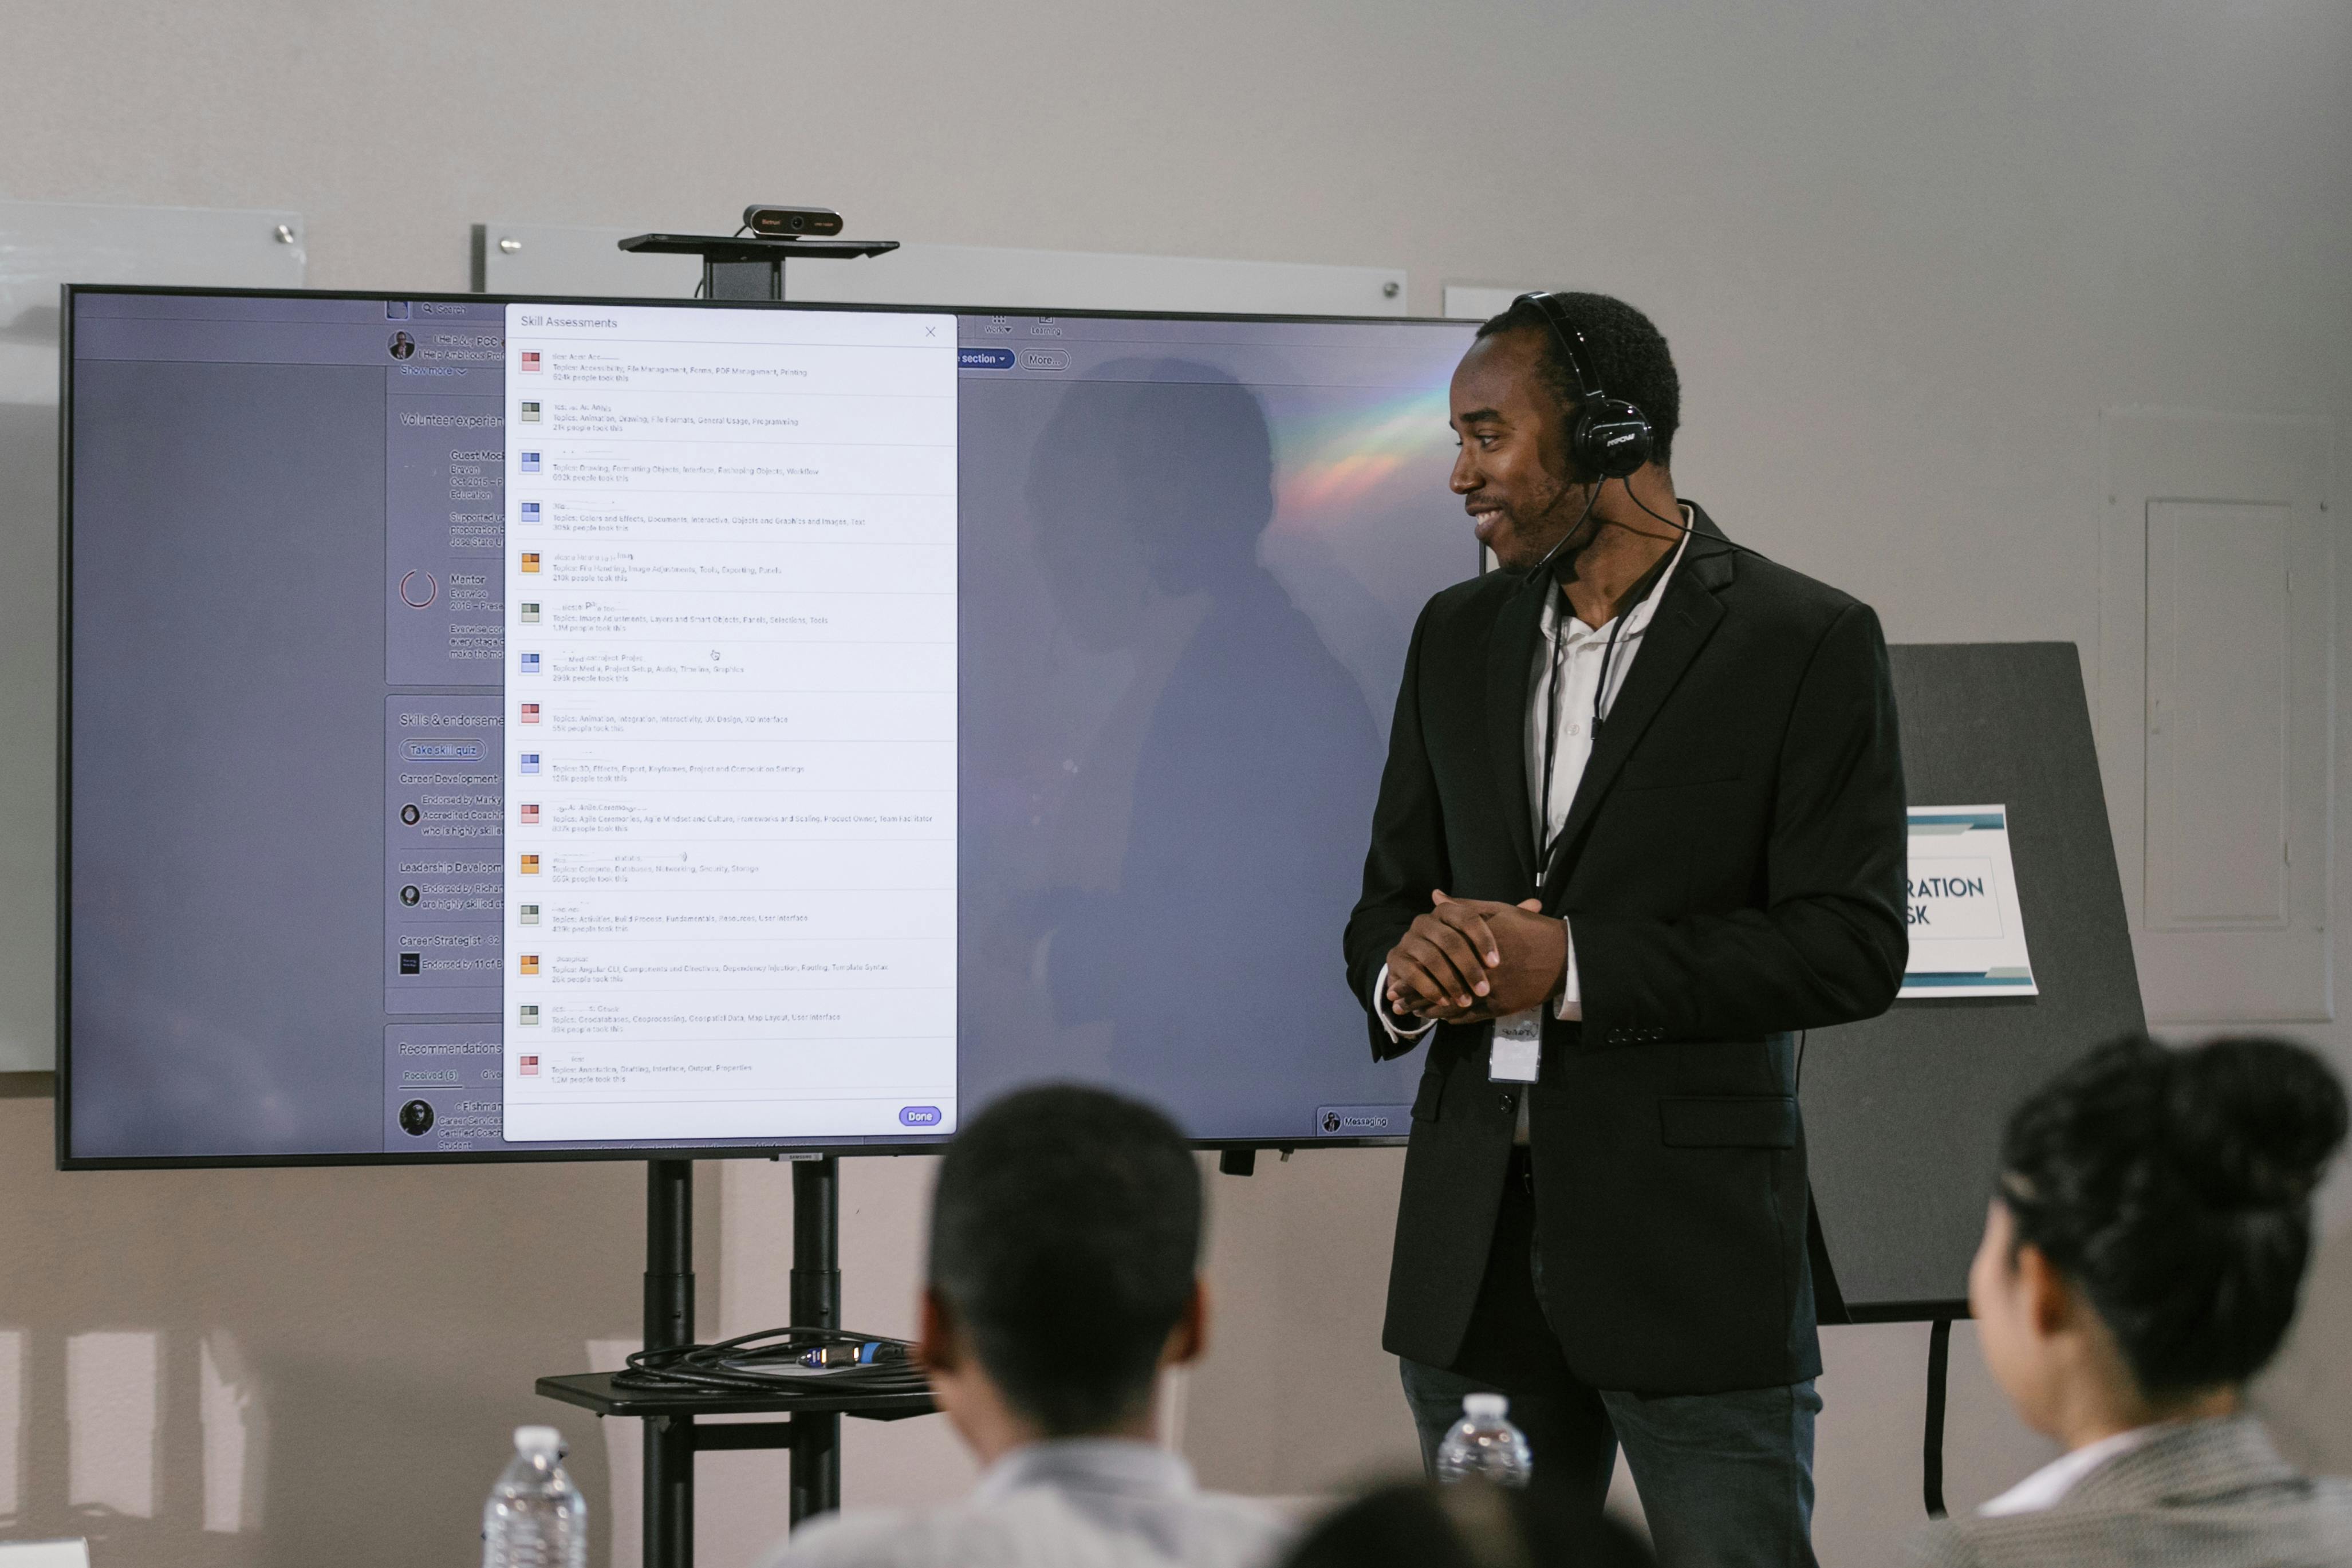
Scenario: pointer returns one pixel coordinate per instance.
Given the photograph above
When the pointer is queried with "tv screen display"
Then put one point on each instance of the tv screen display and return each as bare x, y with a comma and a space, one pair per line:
504, 728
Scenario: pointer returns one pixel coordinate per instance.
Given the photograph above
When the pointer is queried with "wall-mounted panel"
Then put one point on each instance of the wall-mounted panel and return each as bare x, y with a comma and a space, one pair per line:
2216, 712
1477, 301
549, 259
2218, 716
42, 246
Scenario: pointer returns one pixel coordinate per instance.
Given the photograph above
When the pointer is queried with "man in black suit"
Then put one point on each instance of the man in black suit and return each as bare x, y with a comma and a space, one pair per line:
1642, 824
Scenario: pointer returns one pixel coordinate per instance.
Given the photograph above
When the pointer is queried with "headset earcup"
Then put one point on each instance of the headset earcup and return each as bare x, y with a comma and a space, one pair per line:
1612, 439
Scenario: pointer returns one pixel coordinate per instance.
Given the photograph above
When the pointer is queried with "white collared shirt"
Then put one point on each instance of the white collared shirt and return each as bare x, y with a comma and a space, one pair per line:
1078, 1502
1579, 651
2047, 1486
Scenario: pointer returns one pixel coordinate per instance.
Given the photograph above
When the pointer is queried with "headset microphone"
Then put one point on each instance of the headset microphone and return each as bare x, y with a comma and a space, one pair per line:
1608, 438
1574, 529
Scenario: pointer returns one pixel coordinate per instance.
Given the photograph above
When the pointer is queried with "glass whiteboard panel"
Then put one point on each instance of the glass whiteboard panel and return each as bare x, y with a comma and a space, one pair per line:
42, 246
548, 259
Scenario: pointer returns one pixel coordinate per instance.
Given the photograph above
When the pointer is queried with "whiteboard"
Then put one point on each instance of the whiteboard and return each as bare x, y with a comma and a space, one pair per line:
1478, 302
548, 259
42, 246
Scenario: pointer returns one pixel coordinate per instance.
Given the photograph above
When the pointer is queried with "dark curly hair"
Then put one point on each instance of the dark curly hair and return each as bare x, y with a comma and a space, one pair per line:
1625, 352
1472, 1524
1065, 1233
2174, 1188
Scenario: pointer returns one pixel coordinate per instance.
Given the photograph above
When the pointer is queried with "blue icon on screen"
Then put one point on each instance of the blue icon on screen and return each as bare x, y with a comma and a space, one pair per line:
530, 762
530, 462
919, 1116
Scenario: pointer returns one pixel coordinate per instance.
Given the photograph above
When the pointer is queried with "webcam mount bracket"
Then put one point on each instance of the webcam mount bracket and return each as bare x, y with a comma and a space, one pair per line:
751, 266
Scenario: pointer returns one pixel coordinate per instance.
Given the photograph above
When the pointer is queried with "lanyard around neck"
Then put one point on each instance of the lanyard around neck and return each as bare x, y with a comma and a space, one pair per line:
1548, 842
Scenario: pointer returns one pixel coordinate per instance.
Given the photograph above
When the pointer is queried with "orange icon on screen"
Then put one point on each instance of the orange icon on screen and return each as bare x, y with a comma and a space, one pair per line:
531, 559
530, 865
530, 963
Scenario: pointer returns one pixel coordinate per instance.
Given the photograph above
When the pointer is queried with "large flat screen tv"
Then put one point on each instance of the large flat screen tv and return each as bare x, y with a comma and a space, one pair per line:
500, 728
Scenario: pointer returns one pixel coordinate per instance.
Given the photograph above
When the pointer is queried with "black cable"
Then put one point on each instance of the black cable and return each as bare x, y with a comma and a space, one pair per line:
1552, 554
1685, 528
1931, 1442
779, 1361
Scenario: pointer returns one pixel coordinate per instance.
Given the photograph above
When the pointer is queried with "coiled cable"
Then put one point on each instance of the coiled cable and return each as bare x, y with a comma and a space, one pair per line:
779, 1361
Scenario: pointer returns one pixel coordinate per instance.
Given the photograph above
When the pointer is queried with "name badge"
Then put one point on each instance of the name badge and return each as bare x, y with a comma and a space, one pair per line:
1518, 1050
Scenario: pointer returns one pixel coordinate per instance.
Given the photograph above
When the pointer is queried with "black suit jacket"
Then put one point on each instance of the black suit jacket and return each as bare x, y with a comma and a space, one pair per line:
1732, 871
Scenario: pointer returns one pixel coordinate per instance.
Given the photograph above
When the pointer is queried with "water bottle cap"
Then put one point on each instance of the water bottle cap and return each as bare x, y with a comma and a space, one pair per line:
1485, 1407
538, 1440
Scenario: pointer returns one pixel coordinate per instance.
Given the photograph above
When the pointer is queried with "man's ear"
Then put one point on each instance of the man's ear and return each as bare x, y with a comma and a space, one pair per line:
2049, 1301
1188, 1342
939, 1345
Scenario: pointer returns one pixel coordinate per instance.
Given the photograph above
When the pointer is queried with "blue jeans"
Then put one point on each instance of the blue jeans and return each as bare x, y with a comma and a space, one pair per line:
1727, 1479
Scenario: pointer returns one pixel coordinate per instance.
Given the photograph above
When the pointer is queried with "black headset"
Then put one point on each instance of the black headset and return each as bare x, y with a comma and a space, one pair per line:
1608, 438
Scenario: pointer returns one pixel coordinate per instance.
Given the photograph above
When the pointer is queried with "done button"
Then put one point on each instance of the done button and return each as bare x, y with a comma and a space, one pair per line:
919, 1116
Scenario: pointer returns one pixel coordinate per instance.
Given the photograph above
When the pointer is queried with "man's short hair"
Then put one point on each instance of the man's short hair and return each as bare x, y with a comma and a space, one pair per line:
1624, 352
1066, 1236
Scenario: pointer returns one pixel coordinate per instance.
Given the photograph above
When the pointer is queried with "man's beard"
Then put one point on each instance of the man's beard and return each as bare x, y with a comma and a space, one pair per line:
1559, 551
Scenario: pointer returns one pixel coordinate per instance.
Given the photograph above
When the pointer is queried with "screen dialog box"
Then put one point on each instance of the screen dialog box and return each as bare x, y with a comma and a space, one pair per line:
730, 726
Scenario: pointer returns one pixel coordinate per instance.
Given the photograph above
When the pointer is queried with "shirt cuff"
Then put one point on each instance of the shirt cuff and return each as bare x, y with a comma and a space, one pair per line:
1387, 1015
1570, 1002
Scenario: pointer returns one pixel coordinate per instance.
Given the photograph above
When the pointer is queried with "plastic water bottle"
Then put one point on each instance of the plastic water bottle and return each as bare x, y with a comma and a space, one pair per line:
536, 1517
1484, 1442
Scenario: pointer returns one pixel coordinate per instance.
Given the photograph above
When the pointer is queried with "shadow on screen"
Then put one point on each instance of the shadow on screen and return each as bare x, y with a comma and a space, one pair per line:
1243, 750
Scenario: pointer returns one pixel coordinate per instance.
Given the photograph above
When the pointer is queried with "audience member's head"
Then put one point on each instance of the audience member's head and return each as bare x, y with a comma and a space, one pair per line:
1468, 1525
2143, 1254
1066, 1242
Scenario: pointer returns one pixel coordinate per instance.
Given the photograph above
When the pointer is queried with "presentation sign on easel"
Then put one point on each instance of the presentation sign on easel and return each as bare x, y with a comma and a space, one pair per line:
1968, 937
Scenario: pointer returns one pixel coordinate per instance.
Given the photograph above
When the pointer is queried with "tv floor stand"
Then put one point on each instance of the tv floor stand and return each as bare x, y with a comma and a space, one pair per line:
736, 268
809, 1428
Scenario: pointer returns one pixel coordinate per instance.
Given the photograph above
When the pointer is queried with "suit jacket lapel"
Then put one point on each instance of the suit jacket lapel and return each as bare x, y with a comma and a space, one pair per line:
1510, 669
1686, 616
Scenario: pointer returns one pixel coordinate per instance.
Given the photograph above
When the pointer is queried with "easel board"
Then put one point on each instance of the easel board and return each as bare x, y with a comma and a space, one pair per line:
1904, 1113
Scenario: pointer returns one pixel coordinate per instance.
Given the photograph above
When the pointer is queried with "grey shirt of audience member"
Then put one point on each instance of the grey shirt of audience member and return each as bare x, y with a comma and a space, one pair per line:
1072, 1503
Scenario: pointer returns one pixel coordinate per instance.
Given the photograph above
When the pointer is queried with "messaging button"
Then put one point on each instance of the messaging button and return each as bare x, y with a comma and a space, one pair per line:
1361, 1120
918, 1116
985, 358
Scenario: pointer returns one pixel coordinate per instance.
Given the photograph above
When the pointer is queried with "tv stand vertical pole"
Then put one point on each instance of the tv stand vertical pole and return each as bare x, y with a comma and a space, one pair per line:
815, 1485
669, 1321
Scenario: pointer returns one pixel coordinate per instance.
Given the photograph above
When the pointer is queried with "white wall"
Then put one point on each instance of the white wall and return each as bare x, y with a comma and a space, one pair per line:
1905, 254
